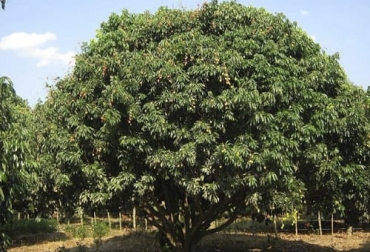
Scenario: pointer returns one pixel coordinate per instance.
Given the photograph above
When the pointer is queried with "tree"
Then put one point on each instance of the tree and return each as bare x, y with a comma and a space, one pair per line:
3, 4
58, 179
335, 167
13, 149
196, 112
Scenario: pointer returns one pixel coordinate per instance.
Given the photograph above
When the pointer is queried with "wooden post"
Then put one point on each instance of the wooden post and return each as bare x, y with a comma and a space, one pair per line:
275, 226
58, 217
94, 217
319, 220
146, 224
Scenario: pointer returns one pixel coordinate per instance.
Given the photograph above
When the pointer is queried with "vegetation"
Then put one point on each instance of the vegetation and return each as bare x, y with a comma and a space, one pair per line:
33, 226
3, 4
191, 117
14, 147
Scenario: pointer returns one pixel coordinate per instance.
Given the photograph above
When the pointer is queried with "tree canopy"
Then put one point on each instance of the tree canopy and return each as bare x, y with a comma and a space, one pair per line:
3, 4
13, 149
195, 114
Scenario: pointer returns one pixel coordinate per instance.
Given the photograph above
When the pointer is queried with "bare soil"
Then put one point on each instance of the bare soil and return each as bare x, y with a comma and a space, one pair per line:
127, 241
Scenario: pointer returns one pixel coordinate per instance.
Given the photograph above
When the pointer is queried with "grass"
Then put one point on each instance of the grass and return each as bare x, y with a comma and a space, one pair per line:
34, 226
96, 230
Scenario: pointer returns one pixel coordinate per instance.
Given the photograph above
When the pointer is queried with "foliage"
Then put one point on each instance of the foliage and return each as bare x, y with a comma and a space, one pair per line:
33, 226
57, 179
337, 166
14, 147
97, 230
194, 113
3, 4
292, 217
100, 229
78, 231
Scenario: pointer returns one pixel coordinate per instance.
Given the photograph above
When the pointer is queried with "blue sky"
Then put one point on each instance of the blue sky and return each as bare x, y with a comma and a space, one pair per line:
38, 38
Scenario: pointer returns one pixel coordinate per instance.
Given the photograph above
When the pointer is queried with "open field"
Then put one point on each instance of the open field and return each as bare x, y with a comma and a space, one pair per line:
128, 241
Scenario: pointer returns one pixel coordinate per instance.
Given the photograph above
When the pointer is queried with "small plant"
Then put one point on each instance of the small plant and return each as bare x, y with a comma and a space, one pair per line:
5, 240
100, 229
291, 217
79, 231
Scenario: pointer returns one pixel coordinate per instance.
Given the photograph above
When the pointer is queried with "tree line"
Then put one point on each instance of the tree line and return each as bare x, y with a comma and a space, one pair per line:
190, 115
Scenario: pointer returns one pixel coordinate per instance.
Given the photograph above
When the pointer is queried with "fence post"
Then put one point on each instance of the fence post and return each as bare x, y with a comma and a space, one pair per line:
319, 220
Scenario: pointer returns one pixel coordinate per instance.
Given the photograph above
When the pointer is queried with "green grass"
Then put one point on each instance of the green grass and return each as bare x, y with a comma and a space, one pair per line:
34, 226
96, 231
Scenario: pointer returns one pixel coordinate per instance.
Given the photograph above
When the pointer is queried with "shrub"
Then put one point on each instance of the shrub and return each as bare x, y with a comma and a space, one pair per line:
79, 231
33, 226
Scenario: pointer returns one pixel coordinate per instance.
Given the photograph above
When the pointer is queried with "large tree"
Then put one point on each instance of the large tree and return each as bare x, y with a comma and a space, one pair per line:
197, 112
14, 146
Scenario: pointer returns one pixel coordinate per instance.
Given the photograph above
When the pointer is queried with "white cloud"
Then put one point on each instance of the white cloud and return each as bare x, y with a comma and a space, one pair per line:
304, 12
32, 45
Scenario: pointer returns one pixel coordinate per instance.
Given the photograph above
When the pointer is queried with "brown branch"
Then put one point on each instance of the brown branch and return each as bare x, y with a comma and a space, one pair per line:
167, 200
168, 226
232, 215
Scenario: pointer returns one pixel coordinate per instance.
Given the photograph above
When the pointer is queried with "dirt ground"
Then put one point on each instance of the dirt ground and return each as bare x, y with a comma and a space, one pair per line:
123, 241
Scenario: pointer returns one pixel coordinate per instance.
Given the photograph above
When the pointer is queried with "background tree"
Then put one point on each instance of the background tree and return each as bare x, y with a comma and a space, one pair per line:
3, 4
59, 179
195, 112
340, 152
14, 147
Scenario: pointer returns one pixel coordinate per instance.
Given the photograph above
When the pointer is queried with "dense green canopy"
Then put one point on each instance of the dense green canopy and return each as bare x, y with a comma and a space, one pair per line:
13, 148
195, 114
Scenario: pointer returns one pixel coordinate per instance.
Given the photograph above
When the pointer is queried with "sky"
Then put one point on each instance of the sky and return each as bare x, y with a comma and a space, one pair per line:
39, 38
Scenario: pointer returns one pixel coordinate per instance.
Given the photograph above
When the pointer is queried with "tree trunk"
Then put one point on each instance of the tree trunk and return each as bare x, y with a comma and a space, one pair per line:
319, 221
349, 231
275, 227
109, 222
58, 222
178, 243
82, 219
190, 245
296, 224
